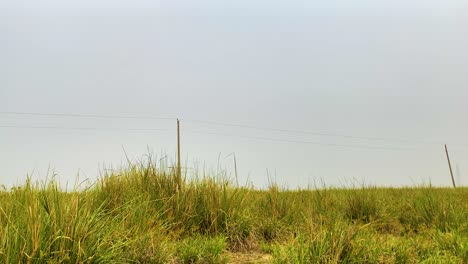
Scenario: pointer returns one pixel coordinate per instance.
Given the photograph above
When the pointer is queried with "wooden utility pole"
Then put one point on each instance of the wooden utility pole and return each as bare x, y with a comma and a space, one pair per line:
179, 170
235, 170
450, 166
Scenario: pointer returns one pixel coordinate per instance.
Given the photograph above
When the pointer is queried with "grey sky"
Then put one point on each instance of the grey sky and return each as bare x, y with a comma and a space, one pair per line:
388, 69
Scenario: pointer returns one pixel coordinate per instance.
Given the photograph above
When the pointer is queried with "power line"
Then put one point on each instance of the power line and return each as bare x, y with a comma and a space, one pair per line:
212, 133
86, 128
83, 115
305, 142
314, 133
383, 139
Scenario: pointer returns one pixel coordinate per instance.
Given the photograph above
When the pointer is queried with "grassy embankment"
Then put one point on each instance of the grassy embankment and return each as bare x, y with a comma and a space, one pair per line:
140, 216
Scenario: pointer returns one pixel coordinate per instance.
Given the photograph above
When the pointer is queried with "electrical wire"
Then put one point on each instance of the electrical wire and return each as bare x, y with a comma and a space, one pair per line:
305, 142
92, 116
315, 133
85, 128
213, 133
382, 139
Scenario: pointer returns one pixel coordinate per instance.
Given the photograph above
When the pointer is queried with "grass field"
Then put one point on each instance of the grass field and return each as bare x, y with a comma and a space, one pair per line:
142, 215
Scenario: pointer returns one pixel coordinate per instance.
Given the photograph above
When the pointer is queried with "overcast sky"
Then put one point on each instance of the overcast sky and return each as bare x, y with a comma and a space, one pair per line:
390, 76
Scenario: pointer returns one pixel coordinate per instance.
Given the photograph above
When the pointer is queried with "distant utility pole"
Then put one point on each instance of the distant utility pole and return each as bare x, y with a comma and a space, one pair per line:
179, 171
450, 166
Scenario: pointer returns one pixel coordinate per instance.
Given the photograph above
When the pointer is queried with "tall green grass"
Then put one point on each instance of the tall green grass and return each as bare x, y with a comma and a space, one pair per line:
140, 215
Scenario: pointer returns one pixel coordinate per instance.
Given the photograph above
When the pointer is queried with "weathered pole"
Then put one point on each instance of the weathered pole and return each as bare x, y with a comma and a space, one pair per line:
235, 170
179, 170
450, 166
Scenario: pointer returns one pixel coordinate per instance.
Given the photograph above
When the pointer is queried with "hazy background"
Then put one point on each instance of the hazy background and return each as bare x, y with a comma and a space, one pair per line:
363, 68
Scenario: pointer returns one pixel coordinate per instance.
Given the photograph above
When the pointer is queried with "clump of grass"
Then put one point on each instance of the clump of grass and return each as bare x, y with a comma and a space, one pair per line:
430, 208
269, 229
276, 205
361, 205
153, 247
321, 245
44, 224
200, 249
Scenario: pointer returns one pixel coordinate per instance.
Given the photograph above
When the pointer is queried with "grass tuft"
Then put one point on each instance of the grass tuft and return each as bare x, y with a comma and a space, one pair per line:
140, 215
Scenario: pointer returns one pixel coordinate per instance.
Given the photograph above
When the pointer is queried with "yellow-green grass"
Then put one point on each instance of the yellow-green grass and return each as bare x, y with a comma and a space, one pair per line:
139, 215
